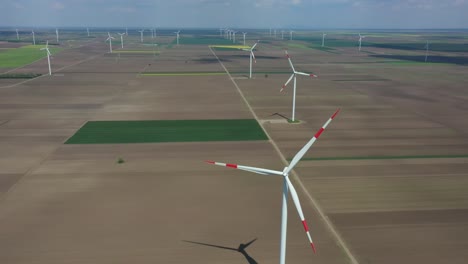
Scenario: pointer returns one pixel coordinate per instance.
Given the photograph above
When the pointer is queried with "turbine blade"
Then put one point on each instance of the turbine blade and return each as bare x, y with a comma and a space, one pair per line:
253, 47
306, 147
307, 74
246, 168
253, 56
295, 198
289, 59
289, 80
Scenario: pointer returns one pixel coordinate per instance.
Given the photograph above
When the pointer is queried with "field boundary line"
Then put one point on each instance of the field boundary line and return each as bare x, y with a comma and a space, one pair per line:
328, 223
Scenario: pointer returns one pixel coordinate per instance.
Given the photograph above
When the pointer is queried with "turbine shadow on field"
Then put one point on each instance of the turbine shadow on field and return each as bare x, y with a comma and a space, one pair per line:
280, 115
241, 249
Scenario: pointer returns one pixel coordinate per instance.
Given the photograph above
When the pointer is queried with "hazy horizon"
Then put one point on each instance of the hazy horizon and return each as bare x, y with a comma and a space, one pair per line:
253, 14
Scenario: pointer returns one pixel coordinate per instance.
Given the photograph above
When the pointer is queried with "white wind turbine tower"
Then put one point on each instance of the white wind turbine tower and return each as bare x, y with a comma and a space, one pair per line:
427, 50
323, 39
141, 34
291, 35
244, 33
360, 40
252, 57
17, 34
121, 38
293, 76
110, 38
46, 48
282, 34
57, 34
177, 32
234, 36
34, 37
287, 187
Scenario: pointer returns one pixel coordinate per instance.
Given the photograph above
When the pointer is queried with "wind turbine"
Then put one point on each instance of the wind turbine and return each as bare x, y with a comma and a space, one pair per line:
282, 34
110, 38
244, 33
177, 32
252, 56
360, 40
293, 76
121, 38
87, 30
34, 37
291, 35
427, 50
17, 34
287, 187
57, 34
141, 34
323, 39
234, 36
48, 55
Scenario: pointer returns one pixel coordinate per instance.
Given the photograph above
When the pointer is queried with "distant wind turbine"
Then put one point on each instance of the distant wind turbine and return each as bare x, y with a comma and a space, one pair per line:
177, 32
141, 34
244, 33
291, 35
87, 30
323, 39
34, 37
57, 34
360, 40
282, 34
48, 56
126, 31
121, 38
234, 36
17, 34
252, 56
110, 38
293, 77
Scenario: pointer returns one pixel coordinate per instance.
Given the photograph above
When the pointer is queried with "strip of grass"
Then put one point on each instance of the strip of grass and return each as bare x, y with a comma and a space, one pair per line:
387, 157
115, 132
13, 58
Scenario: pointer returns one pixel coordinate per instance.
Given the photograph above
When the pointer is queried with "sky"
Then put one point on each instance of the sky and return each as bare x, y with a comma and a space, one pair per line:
313, 14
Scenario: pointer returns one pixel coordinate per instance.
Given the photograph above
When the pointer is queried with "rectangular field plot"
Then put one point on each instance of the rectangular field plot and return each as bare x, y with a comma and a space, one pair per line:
114, 132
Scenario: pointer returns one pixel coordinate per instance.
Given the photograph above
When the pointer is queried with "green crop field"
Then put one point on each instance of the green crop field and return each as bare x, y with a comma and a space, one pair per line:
115, 132
17, 57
